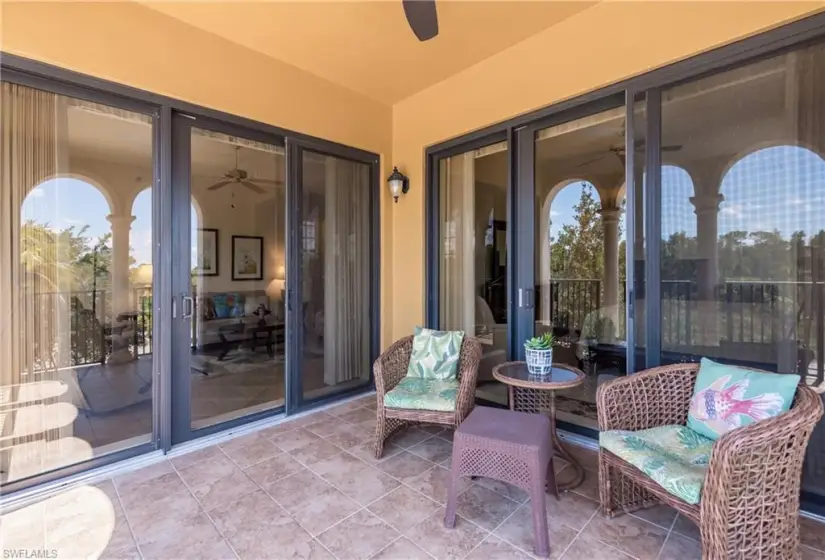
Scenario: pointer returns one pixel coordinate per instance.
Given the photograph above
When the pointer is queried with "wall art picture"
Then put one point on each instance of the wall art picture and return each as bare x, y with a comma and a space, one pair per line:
208, 253
247, 257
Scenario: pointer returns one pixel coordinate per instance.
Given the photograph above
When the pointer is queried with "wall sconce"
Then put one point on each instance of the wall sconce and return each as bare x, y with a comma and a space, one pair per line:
399, 183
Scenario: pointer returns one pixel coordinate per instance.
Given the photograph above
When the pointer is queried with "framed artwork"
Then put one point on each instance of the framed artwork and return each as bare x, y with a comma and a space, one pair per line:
208, 256
247, 257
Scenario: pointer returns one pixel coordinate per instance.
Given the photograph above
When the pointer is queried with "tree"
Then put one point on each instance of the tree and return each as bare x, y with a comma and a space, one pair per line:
578, 250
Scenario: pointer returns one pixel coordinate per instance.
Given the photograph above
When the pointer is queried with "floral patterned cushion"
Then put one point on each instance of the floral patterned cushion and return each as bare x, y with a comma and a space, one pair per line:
423, 394
435, 354
675, 457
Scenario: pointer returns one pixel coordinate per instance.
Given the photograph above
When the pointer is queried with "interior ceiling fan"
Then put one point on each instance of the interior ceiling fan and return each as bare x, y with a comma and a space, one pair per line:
619, 150
241, 177
422, 17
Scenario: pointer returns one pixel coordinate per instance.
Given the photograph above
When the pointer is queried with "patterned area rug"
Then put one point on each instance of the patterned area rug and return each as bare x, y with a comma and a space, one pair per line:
237, 361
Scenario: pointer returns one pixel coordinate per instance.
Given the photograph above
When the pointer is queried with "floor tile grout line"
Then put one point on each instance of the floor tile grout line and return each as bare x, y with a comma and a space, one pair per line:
497, 527
667, 537
126, 516
395, 540
578, 533
204, 511
608, 545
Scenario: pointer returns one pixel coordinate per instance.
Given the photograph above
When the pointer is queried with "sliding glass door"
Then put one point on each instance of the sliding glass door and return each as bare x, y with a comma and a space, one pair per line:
77, 231
578, 241
332, 295
230, 263
741, 248
472, 256
275, 280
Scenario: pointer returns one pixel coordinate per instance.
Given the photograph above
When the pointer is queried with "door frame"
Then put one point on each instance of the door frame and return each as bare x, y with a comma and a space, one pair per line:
295, 149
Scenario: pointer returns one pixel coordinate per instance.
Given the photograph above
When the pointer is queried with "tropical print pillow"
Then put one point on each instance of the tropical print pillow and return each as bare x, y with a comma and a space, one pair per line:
435, 354
729, 397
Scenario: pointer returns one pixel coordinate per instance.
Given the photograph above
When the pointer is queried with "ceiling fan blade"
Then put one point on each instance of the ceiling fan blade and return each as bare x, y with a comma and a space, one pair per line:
640, 144
217, 186
266, 181
422, 17
253, 187
588, 162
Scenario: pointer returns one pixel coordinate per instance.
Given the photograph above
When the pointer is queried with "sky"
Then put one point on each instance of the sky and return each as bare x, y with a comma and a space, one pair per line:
780, 188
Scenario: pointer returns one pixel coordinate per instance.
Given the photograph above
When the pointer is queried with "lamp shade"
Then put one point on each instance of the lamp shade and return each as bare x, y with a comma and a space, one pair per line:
273, 290
398, 184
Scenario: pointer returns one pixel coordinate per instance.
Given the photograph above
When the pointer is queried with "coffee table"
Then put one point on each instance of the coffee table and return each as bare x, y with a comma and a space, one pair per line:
537, 394
258, 334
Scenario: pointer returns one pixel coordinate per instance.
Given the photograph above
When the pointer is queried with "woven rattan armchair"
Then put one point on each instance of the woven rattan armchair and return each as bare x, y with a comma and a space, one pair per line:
749, 506
391, 367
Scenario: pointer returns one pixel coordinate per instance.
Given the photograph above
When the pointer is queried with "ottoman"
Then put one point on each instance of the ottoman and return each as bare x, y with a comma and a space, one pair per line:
509, 446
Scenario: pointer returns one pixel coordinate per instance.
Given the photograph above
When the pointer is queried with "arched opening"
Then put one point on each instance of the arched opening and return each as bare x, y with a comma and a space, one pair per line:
771, 246
679, 225
66, 244
571, 256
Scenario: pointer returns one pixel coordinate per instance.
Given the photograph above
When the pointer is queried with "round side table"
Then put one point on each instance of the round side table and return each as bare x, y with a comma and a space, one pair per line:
537, 394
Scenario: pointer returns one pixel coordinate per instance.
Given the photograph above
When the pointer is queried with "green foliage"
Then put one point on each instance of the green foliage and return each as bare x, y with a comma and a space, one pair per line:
543, 342
68, 259
577, 252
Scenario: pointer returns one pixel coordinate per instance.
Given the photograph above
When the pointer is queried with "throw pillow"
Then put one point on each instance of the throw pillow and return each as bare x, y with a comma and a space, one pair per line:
435, 354
729, 397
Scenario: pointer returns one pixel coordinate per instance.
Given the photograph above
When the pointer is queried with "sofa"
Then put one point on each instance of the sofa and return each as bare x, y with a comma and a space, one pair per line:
214, 310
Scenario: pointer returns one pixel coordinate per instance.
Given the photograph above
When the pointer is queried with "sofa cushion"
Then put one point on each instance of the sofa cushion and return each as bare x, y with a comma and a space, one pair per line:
423, 394
675, 457
435, 354
228, 304
729, 397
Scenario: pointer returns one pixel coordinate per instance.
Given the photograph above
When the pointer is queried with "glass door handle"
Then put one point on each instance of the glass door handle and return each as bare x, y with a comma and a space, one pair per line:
188, 305
525, 298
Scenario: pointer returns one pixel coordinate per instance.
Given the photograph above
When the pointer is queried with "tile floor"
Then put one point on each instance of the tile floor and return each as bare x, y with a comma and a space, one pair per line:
311, 489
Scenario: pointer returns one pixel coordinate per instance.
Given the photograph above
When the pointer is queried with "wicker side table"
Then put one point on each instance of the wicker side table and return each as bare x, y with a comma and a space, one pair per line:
510, 446
536, 394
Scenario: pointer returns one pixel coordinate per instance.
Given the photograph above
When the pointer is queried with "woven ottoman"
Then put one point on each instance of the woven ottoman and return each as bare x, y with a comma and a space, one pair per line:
509, 446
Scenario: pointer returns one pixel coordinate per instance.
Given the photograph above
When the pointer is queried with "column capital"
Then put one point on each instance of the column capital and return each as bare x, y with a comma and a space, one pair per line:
707, 203
610, 214
121, 219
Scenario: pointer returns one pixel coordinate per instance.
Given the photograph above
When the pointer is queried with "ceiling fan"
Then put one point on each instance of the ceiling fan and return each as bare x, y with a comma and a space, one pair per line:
241, 177
620, 152
422, 17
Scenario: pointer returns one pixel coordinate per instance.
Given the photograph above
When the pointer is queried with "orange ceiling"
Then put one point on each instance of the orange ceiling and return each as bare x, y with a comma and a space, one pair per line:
367, 46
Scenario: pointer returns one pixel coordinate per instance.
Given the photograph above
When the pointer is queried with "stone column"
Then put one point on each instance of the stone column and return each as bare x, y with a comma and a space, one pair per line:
706, 206
610, 223
119, 275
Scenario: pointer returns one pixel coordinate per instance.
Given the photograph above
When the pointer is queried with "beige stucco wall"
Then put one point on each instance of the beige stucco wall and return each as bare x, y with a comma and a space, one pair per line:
604, 44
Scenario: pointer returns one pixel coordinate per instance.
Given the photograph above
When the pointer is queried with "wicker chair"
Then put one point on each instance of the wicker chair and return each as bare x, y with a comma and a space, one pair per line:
749, 506
391, 367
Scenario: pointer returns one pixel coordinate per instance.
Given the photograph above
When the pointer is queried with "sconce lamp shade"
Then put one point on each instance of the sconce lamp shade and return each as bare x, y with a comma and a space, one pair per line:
398, 183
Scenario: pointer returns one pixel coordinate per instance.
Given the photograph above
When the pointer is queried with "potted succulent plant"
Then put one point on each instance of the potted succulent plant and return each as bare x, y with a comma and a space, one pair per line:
539, 354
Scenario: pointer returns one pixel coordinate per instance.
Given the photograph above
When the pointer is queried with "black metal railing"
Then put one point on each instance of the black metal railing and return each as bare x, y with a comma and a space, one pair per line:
95, 330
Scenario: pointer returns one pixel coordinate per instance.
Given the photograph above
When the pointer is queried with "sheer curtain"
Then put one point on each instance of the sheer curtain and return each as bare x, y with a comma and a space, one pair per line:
458, 282
346, 238
34, 331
